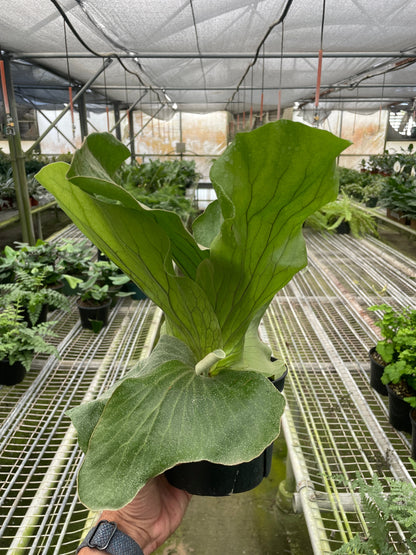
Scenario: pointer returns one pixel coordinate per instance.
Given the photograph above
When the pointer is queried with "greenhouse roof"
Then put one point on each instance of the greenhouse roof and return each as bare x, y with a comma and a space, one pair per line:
203, 56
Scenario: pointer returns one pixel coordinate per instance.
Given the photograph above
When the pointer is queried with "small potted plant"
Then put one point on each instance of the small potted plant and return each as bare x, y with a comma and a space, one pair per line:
204, 394
110, 274
74, 261
343, 216
19, 343
30, 292
398, 351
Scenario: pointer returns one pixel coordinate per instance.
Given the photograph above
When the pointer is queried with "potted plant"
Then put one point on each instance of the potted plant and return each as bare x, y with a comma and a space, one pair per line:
204, 394
93, 303
398, 351
29, 292
74, 260
110, 274
343, 216
19, 343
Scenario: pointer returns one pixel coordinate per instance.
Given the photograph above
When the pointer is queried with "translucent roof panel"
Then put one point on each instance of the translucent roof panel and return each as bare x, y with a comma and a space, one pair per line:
192, 55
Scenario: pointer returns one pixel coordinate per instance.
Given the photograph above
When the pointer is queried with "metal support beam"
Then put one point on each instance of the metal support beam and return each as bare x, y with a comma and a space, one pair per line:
82, 111
116, 108
17, 155
215, 55
130, 109
131, 135
86, 86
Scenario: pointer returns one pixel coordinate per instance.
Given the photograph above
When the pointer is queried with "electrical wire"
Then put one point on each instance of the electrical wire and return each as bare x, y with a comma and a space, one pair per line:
199, 51
263, 40
113, 54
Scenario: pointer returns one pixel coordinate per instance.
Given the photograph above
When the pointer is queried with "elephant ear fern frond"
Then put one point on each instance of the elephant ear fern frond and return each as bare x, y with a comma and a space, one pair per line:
381, 510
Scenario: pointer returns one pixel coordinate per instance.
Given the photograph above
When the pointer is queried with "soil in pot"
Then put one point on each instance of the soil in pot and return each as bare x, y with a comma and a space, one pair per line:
398, 408
377, 366
11, 374
93, 317
212, 479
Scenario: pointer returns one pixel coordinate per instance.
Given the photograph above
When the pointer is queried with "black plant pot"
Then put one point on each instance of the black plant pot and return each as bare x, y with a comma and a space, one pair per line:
398, 411
138, 294
11, 374
218, 480
94, 317
343, 228
376, 371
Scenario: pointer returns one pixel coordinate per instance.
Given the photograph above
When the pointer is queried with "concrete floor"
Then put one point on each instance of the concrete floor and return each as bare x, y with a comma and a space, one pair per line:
247, 523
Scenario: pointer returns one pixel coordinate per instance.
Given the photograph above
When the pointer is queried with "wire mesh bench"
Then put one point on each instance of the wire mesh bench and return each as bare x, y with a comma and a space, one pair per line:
336, 425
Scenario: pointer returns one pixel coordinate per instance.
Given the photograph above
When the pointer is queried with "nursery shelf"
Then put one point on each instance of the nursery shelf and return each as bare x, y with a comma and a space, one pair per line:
39, 510
336, 425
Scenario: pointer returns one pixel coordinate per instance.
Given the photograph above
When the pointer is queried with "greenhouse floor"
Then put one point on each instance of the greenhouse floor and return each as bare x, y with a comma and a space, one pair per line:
335, 425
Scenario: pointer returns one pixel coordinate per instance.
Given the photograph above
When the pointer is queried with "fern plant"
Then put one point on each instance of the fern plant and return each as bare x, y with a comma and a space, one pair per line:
29, 292
19, 342
333, 214
382, 509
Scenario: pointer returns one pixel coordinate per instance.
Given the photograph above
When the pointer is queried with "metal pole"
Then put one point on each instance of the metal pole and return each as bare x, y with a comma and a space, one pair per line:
130, 109
67, 108
116, 107
17, 155
82, 111
131, 135
215, 55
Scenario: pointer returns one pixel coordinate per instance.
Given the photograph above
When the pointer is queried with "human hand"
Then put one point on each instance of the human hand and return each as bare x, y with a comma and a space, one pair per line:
152, 516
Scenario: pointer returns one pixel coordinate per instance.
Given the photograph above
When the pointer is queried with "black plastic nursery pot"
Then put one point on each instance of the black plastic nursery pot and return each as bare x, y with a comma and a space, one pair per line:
94, 317
343, 228
376, 371
412, 416
11, 374
398, 411
218, 480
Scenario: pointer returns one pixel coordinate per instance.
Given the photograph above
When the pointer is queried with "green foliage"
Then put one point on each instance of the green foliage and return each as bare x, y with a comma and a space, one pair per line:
75, 258
399, 194
381, 508
213, 288
29, 292
161, 185
18, 341
156, 174
398, 346
101, 277
333, 214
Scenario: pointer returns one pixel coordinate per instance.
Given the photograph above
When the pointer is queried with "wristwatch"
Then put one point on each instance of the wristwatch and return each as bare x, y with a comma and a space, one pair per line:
105, 536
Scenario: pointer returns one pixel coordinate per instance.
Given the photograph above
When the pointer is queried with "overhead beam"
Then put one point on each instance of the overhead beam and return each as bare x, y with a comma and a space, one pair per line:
213, 55
230, 88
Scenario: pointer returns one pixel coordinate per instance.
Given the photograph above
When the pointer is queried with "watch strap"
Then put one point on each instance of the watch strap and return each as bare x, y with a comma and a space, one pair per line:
105, 536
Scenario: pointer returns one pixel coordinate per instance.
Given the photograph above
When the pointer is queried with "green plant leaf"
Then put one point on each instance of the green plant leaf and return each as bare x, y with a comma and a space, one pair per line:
170, 415
136, 242
267, 183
